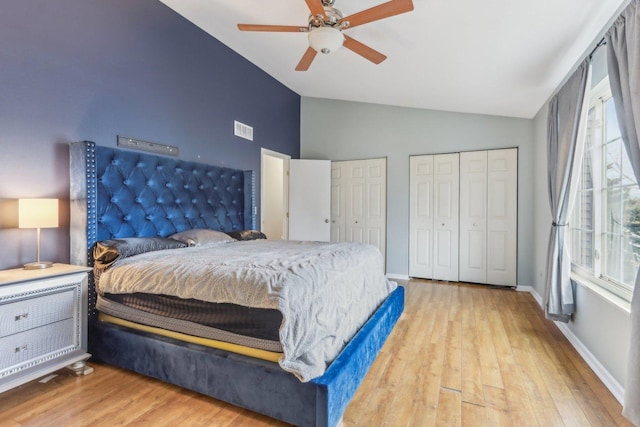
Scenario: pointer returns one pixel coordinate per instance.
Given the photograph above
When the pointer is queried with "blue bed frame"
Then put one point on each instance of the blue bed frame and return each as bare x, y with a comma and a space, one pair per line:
119, 193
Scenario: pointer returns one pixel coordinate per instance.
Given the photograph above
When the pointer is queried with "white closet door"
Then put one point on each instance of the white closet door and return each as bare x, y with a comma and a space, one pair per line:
359, 202
338, 189
421, 216
309, 200
502, 223
355, 201
376, 200
446, 187
473, 216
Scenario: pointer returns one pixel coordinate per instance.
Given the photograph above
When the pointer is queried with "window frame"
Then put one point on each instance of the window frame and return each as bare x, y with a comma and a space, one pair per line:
598, 97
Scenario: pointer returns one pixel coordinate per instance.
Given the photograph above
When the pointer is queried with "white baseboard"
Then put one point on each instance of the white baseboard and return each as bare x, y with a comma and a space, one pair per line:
609, 381
393, 276
601, 372
532, 291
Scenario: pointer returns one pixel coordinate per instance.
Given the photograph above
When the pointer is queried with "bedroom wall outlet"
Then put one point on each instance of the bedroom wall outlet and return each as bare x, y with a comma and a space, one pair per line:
242, 130
152, 147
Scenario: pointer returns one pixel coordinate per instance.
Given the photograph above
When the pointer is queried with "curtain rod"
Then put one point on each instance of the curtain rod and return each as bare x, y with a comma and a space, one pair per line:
601, 43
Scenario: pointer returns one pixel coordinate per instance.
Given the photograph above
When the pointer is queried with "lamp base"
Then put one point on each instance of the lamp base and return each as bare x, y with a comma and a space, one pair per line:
38, 265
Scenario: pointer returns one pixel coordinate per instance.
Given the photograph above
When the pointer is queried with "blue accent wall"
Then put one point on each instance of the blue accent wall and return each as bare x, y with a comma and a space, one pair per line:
75, 70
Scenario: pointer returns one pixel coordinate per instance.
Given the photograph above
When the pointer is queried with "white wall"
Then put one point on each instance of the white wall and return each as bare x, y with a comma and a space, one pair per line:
341, 130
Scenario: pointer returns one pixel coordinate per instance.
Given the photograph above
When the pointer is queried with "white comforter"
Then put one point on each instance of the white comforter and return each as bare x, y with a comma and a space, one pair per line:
325, 291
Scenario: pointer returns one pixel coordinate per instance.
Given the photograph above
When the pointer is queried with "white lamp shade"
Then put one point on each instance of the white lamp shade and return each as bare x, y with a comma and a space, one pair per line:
37, 213
325, 39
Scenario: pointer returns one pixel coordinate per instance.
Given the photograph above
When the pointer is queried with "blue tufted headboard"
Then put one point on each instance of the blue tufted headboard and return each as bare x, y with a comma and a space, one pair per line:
119, 193
132, 194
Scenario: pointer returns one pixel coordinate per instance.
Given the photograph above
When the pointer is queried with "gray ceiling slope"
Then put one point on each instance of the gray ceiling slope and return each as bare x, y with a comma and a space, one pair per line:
496, 57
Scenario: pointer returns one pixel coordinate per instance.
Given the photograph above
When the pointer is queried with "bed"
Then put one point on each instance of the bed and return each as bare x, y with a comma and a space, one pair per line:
118, 194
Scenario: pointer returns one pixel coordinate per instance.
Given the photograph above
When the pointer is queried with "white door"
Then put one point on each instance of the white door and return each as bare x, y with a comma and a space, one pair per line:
502, 218
359, 202
376, 203
355, 201
309, 200
446, 181
338, 190
473, 216
421, 216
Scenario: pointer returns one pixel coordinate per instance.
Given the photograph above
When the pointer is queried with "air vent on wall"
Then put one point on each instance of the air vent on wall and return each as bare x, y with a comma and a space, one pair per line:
242, 130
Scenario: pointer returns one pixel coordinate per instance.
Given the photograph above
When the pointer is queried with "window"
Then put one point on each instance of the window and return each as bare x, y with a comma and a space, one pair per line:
605, 224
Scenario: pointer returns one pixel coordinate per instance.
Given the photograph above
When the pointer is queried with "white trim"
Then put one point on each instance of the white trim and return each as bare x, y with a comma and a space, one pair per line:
532, 291
601, 372
398, 276
605, 376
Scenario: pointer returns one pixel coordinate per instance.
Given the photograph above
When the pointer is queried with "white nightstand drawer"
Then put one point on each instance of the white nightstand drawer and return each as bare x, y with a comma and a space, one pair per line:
32, 344
22, 315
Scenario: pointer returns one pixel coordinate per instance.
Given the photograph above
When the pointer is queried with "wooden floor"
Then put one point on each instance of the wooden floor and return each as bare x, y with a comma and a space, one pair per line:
460, 355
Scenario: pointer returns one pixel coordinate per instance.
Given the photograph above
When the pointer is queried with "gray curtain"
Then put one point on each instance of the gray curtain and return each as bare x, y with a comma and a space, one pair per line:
565, 131
623, 57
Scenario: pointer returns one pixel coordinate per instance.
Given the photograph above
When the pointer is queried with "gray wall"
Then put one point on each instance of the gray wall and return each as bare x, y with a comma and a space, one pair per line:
600, 325
340, 130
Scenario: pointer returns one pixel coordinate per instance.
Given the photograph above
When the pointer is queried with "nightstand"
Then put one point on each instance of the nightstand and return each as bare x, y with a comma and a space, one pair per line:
43, 323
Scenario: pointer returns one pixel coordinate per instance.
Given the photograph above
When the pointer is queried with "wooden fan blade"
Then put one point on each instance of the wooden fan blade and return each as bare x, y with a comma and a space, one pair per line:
274, 28
363, 50
306, 60
385, 10
316, 8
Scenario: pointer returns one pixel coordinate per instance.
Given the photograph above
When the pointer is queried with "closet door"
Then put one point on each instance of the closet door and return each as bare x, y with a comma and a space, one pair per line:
446, 182
502, 216
489, 217
421, 216
359, 202
433, 219
355, 202
473, 216
338, 190
376, 203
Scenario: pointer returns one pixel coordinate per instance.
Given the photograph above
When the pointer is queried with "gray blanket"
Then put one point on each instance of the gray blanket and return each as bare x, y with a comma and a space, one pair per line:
325, 291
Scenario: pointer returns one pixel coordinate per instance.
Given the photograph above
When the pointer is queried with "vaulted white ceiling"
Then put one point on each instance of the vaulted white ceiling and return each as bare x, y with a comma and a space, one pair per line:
497, 57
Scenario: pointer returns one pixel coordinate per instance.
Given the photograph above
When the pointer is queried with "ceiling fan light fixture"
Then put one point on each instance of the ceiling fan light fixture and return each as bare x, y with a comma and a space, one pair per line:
325, 39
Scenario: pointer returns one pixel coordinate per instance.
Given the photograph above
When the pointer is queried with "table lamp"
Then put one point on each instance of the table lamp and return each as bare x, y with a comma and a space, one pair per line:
37, 213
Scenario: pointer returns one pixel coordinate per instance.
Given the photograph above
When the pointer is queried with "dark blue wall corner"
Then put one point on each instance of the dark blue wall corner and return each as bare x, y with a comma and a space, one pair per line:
75, 70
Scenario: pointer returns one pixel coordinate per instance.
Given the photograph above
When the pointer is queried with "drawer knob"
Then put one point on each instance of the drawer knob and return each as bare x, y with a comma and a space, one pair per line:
22, 316
22, 348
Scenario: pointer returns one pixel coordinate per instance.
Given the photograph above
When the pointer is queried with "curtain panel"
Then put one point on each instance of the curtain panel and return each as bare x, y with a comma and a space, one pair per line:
565, 132
623, 58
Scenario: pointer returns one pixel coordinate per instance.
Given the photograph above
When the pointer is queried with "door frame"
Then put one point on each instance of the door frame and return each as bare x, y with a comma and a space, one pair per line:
285, 189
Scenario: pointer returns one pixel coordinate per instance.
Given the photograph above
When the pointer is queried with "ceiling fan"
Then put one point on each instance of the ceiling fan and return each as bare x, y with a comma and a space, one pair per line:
326, 24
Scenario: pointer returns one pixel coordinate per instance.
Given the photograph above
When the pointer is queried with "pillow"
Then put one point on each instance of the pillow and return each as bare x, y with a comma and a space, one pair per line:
200, 237
247, 234
107, 252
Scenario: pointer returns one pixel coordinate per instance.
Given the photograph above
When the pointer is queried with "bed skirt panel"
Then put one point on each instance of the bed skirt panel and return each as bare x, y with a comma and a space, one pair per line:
253, 384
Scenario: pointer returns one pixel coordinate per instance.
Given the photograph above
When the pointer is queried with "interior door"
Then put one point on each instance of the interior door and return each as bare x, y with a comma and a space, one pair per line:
338, 190
473, 216
355, 201
421, 216
446, 182
376, 200
309, 200
502, 217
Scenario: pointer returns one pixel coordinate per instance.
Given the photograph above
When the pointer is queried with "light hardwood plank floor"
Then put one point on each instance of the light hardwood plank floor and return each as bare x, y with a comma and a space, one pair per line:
461, 355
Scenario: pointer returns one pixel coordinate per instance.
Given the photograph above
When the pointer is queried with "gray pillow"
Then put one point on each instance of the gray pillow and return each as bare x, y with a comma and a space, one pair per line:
201, 237
247, 234
107, 252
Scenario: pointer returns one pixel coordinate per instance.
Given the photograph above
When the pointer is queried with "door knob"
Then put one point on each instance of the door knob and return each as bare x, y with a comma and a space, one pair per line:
326, 221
